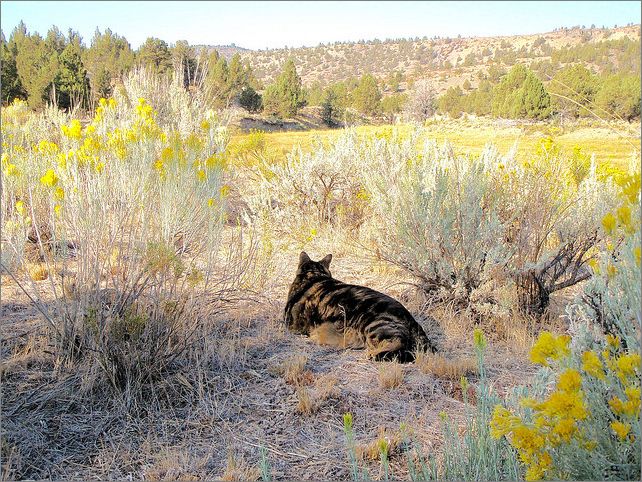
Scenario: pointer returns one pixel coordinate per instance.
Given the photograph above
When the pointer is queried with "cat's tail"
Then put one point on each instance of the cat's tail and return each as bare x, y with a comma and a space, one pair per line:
418, 341
421, 342
400, 356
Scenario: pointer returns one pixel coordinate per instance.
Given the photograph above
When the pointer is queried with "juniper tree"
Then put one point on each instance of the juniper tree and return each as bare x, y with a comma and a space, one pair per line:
366, 98
284, 97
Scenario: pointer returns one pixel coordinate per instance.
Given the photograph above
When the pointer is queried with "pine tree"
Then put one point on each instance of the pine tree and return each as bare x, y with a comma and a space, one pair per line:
155, 54
37, 66
10, 81
250, 99
184, 62
284, 97
106, 60
393, 105
71, 79
619, 95
531, 100
237, 77
366, 97
577, 85
521, 95
329, 108
451, 102
217, 82
315, 95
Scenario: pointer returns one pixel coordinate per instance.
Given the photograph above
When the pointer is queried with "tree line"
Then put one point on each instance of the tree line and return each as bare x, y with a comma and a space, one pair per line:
62, 70
574, 91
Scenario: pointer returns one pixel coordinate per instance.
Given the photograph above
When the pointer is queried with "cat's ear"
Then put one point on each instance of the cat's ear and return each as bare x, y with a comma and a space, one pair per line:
326, 261
303, 258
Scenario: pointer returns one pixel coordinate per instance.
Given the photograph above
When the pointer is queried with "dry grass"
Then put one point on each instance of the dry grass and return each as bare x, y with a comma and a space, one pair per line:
390, 375
24, 355
175, 465
471, 136
387, 440
294, 372
442, 367
38, 271
238, 469
305, 405
310, 401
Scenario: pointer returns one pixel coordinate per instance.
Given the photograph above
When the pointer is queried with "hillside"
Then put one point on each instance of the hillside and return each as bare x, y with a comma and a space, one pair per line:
225, 51
449, 61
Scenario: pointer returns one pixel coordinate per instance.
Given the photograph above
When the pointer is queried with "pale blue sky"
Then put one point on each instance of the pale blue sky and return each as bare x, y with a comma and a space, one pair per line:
266, 24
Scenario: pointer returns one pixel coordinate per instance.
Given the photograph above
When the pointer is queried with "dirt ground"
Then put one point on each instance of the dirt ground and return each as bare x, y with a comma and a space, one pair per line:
217, 421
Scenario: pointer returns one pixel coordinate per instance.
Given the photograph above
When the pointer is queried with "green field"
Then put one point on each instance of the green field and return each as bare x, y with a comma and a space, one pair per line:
611, 145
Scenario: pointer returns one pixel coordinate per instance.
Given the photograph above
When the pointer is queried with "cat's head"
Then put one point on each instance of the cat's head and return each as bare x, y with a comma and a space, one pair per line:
307, 267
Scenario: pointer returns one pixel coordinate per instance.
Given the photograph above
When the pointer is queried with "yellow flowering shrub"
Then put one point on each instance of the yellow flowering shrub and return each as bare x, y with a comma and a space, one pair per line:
570, 431
141, 206
589, 423
73, 130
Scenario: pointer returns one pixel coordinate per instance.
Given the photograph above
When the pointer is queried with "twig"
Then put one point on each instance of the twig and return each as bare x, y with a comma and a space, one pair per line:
36, 304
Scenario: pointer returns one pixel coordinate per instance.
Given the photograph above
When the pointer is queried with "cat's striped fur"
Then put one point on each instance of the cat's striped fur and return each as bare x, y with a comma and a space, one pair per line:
351, 316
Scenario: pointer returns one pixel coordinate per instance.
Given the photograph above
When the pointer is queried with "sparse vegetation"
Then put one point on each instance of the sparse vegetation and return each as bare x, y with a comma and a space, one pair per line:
390, 375
442, 367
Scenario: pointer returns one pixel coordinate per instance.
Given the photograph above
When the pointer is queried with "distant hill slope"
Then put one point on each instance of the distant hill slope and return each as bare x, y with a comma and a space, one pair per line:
447, 61
226, 51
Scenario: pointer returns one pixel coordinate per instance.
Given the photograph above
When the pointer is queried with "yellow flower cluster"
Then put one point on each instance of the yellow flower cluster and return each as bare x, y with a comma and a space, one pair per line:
478, 339
11, 170
629, 407
625, 366
548, 346
592, 365
527, 440
622, 217
555, 422
73, 130
621, 429
145, 126
363, 195
630, 185
117, 144
104, 106
46, 148
560, 418
49, 179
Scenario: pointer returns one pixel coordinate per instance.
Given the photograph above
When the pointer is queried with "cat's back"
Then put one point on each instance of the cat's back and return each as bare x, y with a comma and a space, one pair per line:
361, 298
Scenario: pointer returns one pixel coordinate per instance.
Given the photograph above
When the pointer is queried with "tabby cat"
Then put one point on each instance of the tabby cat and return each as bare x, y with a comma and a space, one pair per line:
351, 316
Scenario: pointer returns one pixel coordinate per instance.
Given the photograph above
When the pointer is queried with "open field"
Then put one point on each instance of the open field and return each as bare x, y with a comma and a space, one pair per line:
241, 404
611, 145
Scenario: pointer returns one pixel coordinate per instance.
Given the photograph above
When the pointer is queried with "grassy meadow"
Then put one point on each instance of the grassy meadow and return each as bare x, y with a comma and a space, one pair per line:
147, 256
611, 145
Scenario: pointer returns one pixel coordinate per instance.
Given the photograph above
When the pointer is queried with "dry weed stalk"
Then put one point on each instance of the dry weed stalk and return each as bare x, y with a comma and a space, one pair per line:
309, 401
239, 470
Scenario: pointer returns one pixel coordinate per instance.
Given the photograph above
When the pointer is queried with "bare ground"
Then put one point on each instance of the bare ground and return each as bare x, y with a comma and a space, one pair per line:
215, 420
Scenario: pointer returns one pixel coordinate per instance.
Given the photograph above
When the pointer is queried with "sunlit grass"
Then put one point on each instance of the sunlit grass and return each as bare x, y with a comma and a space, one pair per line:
608, 147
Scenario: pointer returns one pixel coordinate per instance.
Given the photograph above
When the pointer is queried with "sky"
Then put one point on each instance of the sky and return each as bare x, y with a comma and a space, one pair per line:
272, 24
